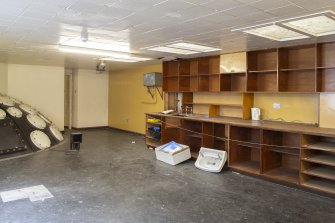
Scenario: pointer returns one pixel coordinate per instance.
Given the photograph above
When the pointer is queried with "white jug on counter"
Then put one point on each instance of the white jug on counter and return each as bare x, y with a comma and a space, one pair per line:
255, 114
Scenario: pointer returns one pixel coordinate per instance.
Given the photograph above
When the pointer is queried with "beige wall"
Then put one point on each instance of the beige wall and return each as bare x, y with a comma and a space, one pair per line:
41, 87
327, 110
90, 100
294, 106
3, 78
129, 99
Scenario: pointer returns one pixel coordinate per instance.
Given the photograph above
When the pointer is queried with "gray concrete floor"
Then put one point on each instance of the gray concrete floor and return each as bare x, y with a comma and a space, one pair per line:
113, 180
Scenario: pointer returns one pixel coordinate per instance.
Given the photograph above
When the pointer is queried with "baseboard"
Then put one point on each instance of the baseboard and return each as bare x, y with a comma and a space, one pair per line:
128, 131
91, 128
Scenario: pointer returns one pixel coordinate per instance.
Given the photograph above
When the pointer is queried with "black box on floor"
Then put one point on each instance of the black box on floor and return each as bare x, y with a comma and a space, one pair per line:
75, 139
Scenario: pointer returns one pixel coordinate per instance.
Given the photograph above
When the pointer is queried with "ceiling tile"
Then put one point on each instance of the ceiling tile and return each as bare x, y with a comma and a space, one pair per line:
242, 11
220, 5
270, 4
313, 5
287, 11
115, 12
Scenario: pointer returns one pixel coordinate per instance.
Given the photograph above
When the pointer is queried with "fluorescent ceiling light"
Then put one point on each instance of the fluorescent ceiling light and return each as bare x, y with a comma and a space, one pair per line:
109, 55
193, 47
86, 51
313, 25
320, 25
172, 50
113, 46
275, 32
129, 60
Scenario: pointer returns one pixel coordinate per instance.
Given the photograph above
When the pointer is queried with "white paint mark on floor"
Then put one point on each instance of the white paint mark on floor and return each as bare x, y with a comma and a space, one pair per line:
35, 193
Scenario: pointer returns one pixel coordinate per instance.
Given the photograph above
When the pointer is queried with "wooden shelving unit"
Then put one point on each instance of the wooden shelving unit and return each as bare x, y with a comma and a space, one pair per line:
153, 138
233, 82
318, 163
191, 133
171, 76
297, 69
214, 136
326, 67
262, 71
287, 156
306, 68
281, 155
171, 130
244, 149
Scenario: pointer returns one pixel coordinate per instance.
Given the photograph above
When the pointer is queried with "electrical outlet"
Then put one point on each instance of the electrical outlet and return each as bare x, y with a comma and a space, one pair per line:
276, 105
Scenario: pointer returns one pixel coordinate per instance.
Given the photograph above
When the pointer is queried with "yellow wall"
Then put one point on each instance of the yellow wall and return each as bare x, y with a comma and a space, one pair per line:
294, 107
129, 99
327, 110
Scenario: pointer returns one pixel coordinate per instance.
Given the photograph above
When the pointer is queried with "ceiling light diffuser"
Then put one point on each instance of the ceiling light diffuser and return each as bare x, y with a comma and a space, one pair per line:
109, 55
129, 60
90, 44
172, 50
275, 32
312, 25
86, 51
193, 47
319, 25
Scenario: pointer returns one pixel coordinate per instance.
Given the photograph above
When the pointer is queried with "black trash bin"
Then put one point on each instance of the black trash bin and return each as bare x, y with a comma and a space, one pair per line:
75, 140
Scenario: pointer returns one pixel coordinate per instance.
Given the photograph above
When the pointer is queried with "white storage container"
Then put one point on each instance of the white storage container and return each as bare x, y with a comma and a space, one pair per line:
173, 153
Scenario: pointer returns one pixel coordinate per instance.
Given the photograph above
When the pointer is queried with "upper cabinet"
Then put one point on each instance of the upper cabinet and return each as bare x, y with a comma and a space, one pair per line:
307, 68
233, 63
297, 69
262, 71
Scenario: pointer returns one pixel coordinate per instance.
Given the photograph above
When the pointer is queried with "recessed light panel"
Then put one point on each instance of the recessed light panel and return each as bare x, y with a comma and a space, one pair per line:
320, 25
131, 59
193, 47
172, 50
113, 46
109, 55
275, 32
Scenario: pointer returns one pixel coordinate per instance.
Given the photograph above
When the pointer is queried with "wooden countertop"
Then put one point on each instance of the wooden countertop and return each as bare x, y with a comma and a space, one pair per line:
270, 125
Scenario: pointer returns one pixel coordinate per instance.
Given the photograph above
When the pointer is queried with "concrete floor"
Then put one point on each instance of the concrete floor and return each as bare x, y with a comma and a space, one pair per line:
113, 180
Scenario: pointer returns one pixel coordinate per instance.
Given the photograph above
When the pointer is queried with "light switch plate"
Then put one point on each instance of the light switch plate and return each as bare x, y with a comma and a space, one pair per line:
276, 105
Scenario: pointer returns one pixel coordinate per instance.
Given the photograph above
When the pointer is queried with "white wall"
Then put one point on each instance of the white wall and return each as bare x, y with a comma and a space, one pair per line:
42, 87
3, 78
90, 102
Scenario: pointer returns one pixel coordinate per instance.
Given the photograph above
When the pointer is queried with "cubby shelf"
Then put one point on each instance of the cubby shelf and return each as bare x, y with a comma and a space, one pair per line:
322, 146
321, 159
284, 174
299, 69
249, 166
320, 184
216, 104
321, 171
262, 71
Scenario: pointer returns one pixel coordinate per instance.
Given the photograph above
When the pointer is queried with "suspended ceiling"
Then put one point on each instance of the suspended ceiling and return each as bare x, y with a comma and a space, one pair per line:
30, 30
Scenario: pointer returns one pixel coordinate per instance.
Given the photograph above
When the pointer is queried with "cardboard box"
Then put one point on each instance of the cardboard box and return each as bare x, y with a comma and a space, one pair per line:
173, 156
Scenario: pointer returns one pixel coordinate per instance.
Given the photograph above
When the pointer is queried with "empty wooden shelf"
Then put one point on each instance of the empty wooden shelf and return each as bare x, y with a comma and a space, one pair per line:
320, 184
321, 171
325, 159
